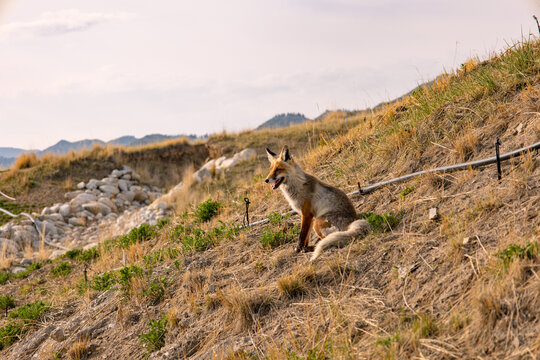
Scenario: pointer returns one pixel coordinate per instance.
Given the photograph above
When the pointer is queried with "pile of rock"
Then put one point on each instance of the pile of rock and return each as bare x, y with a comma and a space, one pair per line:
95, 205
101, 209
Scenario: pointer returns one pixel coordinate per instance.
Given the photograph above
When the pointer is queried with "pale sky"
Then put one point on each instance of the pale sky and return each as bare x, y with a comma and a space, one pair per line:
73, 69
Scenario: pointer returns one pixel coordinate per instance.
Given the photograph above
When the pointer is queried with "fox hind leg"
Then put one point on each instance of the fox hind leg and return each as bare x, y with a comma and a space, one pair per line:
319, 225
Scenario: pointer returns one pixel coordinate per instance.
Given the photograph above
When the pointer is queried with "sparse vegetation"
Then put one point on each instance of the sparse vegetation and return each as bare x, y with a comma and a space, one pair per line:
207, 210
6, 303
515, 251
30, 311
154, 338
465, 287
62, 269
381, 223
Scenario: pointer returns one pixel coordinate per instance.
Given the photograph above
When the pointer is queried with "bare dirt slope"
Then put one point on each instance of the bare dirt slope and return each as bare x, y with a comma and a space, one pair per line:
463, 286
44, 183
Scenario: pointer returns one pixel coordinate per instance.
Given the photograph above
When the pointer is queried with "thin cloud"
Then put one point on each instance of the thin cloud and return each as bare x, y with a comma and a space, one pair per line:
60, 22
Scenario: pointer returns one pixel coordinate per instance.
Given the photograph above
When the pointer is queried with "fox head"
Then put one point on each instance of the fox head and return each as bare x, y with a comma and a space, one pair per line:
281, 167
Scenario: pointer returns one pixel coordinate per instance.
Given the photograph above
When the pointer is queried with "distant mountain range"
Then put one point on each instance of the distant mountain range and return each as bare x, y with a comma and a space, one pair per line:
283, 120
9, 154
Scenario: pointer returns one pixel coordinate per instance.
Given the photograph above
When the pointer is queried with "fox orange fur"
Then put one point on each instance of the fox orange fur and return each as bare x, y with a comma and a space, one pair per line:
321, 206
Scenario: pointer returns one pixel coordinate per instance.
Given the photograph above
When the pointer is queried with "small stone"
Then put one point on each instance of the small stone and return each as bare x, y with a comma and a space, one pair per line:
76, 221
72, 194
27, 261
58, 335
466, 240
111, 189
163, 205
123, 185
17, 269
65, 210
433, 213
55, 217
81, 185
519, 129
116, 173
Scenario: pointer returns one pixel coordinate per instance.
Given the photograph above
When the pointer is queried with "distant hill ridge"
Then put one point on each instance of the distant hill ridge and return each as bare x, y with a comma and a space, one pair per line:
9, 154
283, 120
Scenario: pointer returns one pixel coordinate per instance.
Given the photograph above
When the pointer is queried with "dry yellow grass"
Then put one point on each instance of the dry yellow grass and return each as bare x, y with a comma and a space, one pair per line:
416, 291
79, 349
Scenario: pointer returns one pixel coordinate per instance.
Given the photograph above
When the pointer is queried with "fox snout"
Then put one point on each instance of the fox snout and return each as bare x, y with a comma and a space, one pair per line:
276, 181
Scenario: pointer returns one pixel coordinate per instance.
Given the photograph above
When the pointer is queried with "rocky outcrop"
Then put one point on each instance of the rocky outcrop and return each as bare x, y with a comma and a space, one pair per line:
219, 165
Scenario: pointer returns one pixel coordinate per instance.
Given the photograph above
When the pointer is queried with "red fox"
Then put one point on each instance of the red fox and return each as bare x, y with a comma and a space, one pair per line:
320, 205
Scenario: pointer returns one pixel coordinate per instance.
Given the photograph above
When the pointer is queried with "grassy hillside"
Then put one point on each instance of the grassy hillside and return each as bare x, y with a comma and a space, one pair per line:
463, 286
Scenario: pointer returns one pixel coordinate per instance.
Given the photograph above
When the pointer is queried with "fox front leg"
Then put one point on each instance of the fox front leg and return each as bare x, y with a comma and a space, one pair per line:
307, 220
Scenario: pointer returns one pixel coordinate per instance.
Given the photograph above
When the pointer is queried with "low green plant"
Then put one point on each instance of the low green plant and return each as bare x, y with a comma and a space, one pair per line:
103, 282
207, 210
139, 234
513, 251
24, 274
30, 311
406, 191
381, 223
196, 239
9, 333
156, 291
387, 340
124, 278
84, 255
161, 223
271, 239
154, 338
275, 218
6, 303
4, 277
154, 258
62, 269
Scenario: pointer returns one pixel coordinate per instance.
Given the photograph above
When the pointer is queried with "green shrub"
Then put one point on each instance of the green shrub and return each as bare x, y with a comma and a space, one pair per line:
84, 255
62, 269
73, 254
381, 223
4, 277
124, 278
6, 303
103, 282
197, 239
161, 223
142, 233
529, 251
207, 210
90, 254
28, 271
154, 339
30, 311
156, 291
275, 218
271, 239
9, 333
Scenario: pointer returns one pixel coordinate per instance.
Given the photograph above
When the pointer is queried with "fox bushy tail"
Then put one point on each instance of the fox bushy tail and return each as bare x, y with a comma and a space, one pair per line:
340, 238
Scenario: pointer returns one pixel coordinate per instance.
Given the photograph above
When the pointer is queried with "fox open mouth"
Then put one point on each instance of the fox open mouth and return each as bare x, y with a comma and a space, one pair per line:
278, 182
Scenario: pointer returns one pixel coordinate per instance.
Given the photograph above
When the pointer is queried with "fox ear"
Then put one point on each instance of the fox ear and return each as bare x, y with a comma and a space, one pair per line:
271, 155
285, 155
